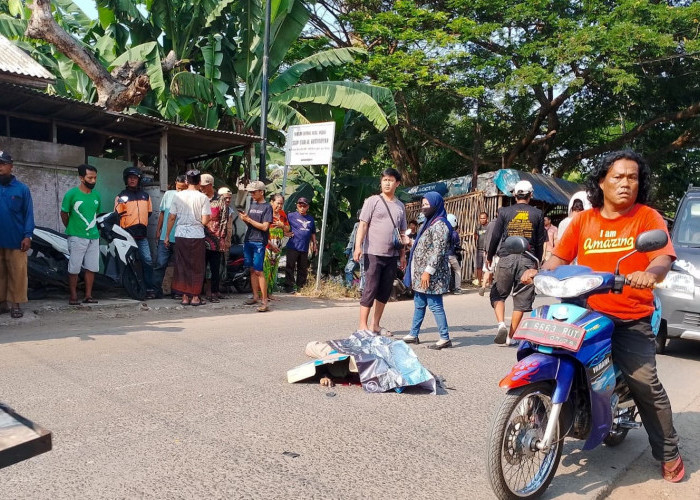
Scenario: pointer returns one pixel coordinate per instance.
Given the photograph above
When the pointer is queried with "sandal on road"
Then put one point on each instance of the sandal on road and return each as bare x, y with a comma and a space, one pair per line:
75, 302
384, 332
16, 313
250, 302
89, 300
263, 309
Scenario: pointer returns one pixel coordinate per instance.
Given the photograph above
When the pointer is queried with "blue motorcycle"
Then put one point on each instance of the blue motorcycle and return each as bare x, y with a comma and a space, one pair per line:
565, 383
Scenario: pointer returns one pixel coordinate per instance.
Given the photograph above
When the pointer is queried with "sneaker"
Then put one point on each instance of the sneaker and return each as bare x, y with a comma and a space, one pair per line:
458, 291
481, 291
502, 334
512, 343
440, 344
410, 339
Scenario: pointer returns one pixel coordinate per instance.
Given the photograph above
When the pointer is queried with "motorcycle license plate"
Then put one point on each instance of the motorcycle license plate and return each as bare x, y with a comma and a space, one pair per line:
550, 333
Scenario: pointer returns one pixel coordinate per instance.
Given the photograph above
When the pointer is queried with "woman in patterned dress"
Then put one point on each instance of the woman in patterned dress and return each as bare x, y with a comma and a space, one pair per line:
428, 270
279, 226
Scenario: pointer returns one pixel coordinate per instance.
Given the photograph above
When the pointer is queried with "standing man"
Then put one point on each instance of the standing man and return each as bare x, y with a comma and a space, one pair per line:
134, 207
523, 220
619, 189
455, 247
79, 211
258, 220
381, 243
164, 253
17, 213
551, 230
488, 270
192, 211
480, 235
303, 229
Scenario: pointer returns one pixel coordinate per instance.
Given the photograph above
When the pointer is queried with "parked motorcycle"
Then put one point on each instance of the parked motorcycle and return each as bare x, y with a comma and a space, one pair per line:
237, 275
565, 383
47, 259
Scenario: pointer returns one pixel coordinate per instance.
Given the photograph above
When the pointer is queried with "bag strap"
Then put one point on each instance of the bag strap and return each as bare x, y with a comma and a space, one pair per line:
389, 211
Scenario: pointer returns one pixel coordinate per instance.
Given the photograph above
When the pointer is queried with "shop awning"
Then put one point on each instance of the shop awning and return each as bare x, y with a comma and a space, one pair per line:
552, 190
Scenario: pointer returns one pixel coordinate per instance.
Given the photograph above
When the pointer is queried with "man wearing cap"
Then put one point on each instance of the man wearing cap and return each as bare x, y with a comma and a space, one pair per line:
17, 213
258, 220
524, 220
303, 229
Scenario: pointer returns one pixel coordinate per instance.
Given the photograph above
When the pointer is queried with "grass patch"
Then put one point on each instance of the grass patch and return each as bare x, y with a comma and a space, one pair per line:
329, 288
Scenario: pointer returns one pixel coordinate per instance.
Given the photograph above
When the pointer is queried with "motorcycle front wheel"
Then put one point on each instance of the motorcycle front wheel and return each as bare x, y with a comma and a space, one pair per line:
516, 468
132, 284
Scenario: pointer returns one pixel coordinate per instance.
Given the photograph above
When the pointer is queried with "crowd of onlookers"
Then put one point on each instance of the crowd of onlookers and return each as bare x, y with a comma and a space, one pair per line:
195, 229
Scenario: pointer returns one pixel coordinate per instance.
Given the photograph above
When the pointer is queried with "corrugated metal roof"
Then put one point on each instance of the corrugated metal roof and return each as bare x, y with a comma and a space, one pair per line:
15, 61
185, 141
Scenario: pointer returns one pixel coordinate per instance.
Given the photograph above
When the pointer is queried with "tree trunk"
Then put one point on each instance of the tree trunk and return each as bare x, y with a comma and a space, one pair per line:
405, 161
125, 87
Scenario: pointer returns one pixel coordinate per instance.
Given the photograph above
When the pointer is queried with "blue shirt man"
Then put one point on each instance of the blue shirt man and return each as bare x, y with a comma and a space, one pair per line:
303, 229
17, 214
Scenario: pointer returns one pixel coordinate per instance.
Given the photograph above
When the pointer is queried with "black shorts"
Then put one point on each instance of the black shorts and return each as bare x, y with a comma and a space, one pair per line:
508, 273
379, 279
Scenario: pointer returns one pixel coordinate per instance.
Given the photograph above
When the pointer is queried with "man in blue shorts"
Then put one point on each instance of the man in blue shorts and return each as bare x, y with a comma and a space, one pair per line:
258, 220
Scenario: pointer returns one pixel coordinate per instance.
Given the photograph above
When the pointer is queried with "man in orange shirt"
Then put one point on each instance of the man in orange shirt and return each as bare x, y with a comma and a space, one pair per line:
618, 190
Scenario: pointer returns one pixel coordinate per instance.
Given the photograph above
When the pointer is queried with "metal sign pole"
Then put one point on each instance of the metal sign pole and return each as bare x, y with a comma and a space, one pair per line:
284, 180
323, 225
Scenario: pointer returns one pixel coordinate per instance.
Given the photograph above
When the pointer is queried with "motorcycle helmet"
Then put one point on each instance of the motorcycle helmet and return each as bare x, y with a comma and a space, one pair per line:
131, 171
452, 219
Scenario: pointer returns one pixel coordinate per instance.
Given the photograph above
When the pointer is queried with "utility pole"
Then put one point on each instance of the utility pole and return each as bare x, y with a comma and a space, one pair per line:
262, 175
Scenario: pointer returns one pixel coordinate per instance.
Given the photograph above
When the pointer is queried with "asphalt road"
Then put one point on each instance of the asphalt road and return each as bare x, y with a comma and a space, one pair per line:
194, 403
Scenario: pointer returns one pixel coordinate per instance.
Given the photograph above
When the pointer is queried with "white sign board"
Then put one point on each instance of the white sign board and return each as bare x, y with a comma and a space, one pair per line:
310, 144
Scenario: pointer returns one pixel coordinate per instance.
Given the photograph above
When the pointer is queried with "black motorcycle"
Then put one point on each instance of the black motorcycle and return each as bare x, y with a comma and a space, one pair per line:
47, 260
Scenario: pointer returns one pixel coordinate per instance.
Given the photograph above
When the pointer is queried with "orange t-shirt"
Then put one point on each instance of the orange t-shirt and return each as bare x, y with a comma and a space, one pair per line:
599, 243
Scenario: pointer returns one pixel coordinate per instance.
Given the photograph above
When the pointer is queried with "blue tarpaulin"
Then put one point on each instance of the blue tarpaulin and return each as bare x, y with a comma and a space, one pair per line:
548, 189
420, 190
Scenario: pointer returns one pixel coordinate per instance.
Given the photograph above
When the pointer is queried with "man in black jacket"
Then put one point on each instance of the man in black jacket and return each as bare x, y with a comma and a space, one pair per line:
524, 220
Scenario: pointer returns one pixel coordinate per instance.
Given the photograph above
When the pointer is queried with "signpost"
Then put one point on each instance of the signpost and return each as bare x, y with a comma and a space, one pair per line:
312, 144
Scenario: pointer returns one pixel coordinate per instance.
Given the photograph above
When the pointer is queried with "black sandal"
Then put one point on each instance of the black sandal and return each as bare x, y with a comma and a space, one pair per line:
16, 313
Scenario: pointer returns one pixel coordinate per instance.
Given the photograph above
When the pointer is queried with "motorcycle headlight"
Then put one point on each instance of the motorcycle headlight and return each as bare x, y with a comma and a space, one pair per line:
678, 282
570, 287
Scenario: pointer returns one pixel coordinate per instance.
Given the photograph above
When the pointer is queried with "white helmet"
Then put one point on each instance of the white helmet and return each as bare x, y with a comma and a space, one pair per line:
452, 219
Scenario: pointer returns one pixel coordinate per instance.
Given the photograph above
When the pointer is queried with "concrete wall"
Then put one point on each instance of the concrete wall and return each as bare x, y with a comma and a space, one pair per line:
49, 171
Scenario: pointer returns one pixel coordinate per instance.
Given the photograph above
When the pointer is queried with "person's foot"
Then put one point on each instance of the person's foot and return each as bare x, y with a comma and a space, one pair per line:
89, 300
512, 343
457, 291
73, 302
410, 339
250, 302
440, 344
16, 312
263, 308
502, 334
482, 290
673, 471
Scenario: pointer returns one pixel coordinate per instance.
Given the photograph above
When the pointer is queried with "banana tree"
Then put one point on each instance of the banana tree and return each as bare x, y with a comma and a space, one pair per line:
292, 101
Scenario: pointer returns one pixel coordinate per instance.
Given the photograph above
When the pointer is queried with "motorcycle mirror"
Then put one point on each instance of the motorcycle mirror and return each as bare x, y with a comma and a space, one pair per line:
652, 240
515, 244
648, 241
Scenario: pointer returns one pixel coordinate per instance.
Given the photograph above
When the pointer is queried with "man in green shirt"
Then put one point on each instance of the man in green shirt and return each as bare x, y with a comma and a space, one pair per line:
79, 214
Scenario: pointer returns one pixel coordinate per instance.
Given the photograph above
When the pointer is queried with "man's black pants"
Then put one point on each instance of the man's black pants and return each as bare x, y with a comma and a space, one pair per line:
297, 263
634, 352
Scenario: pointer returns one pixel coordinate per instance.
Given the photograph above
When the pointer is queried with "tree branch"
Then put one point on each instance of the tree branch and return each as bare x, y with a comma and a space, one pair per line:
113, 94
688, 113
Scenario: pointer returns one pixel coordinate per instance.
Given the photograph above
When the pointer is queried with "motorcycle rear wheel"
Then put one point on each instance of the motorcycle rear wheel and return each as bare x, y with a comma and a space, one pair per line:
133, 284
514, 469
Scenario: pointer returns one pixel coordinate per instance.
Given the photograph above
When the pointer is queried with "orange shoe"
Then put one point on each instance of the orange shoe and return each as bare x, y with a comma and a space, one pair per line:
674, 470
